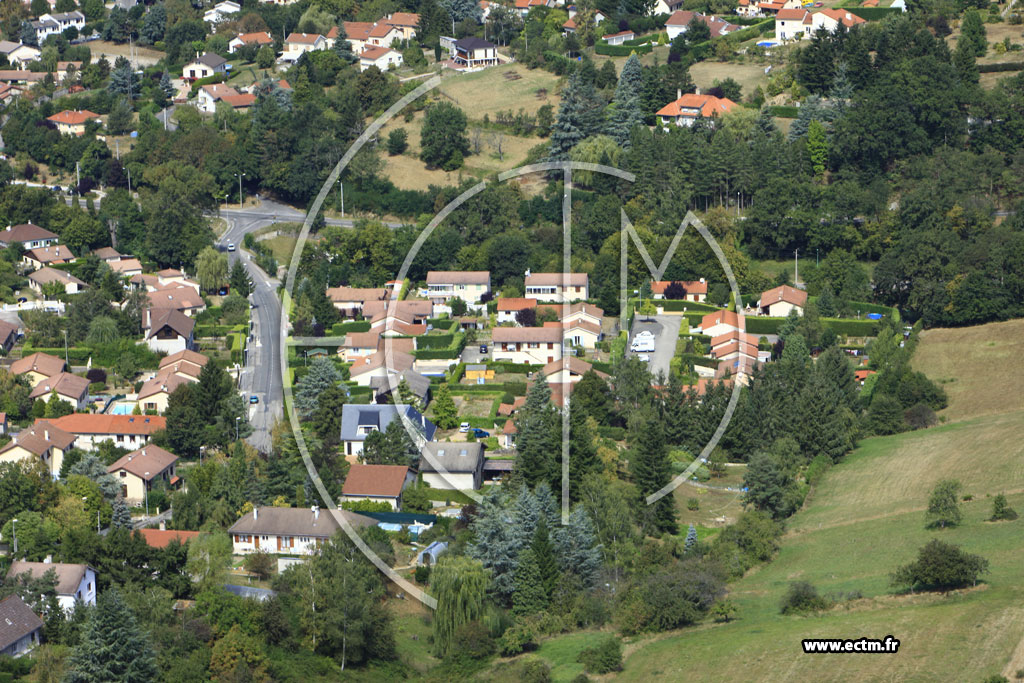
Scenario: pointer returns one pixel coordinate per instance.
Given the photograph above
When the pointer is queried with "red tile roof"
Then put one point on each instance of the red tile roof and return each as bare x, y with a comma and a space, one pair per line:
148, 459
691, 286
161, 538
375, 480
515, 303
73, 118
92, 423
790, 295
707, 105
259, 37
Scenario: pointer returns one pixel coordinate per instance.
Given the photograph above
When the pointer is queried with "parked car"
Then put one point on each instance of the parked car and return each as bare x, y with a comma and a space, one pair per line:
480, 433
254, 399
231, 246
644, 357
483, 348
464, 427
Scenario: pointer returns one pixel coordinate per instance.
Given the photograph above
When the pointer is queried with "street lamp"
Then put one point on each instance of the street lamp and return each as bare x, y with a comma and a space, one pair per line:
239, 176
66, 362
237, 420
14, 534
146, 491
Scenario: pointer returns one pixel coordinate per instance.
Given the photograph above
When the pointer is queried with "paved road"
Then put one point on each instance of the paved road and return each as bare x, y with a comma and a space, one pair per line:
270, 211
666, 334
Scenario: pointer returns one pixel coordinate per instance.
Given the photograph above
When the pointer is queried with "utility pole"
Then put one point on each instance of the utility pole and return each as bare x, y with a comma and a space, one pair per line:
341, 196
129, 180
66, 362
796, 266
239, 176
117, 147
14, 533
78, 175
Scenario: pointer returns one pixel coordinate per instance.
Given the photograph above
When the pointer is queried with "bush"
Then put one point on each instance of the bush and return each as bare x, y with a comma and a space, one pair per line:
517, 639
604, 657
535, 671
940, 567
802, 598
472, 641
920, 416
1001, 510
692, 504
96, 375
422, 575
260, 564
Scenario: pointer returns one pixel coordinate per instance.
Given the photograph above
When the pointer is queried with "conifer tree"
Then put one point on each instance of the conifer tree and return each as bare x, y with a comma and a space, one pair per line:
579, 116
445, 414
166, 85
342, 47
530, 596
497, 544
323, 374
538, 436
112, 646
123, 80
691, 538
578, 550
650, 468
122, 518
544, 554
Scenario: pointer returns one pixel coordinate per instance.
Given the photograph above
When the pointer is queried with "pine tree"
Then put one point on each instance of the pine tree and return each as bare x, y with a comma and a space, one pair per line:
544, 553
342, 47
817, 149
631, 80
122, 518
842, 90
766, 123
578, 117
445, 414
322, 375
112, 646
119, 120
964, 58
240, 280
166, 85
578, 550
123, 80
28, 34
972, 30
650, 469
538, 436
691, 539
827, 421
496, 544
582, 453
546, 505
530, 596
460, 10
623, 116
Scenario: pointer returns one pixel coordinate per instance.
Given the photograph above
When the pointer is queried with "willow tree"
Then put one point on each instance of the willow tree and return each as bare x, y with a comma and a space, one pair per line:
460, 586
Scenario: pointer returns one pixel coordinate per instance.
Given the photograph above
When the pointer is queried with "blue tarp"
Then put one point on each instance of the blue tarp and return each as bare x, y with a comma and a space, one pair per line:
875, 316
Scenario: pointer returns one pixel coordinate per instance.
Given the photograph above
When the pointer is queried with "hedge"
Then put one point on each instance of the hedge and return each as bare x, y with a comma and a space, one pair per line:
699, 360
853, 328
437, 354
434, 341
339, 329
447, 495
865, 307
510, 367
874, 13
680, 305
212, 330
603, 48
606, 368
784, 112
514, 388
1004, 66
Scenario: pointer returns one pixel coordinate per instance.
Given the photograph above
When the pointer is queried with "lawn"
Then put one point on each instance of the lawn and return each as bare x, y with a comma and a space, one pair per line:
749, 76
282, 247
717, 507
501, 88
979, 367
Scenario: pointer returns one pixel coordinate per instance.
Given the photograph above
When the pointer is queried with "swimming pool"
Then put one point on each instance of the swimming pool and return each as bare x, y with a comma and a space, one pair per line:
121, 409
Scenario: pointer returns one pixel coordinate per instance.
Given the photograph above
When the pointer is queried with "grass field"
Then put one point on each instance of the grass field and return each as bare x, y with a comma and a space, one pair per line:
491, 90
718, 507
863, 520
979, 367
749, 76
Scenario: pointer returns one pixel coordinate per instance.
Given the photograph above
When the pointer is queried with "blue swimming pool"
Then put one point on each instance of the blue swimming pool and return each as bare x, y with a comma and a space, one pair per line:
121, 409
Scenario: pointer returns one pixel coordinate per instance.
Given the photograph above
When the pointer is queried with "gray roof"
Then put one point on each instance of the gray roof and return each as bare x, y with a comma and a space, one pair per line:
418, 383
17, 620
380, 416
272, 521
69, 576
212, 60
261, 594
455, 457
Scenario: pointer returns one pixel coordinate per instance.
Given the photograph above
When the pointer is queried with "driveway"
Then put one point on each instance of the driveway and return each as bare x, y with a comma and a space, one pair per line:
666, 333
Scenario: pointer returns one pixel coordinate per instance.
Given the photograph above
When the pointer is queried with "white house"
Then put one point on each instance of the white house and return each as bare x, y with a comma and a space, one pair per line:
210, 94
297, 44
204, 66
293, 531
719, 323
452, 466
686, 109
384, 58
168, 330
69, 388
557, 286
30, 235
222, 11
779, 301
76, 583
793, 24
533, 345
377, 483
21, 627
43, 441
618, 38
694, 290
556, 372
468, 285
359, 421
473, 53
509, 307
46, 275
259, 39
18, 54
680, 21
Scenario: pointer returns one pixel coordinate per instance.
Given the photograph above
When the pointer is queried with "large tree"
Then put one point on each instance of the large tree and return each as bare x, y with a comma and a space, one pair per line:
322, 375
579, 116
944, 504
211, 269
649, 465
460, 586
443, 141
112, 647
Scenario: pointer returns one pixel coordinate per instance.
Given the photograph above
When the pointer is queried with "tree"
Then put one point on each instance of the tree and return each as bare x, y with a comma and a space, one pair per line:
260, 564
529, 597
398, 141
802, 597
265, 57
393, 446
691, 538
323, 374
537, 436
443, 140
122, 518
544, 555
972, 31
649, 465
211, 269
460, 585
119, 121
154, 24
577, 547
1001, 510
724, 610
817, 149
940, 567
91, 467
238, 656
460, 10
209, 557
123, 80
112, 646
239, 279
103, 330
342, 47
769, 486
526, 317
445, 414
579, 116
944, 504
604, 657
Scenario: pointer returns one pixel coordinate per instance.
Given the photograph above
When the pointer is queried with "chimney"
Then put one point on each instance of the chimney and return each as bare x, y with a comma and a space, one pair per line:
48, 559
46, 434
679, 93
255, 513
163, 526
143, 452
316, 512
696, 91
702, 280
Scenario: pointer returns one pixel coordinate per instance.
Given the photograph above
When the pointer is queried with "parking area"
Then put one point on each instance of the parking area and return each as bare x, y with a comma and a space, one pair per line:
665, 329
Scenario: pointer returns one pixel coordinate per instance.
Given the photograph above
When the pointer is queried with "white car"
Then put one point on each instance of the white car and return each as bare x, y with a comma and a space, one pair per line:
231, 246
464, 427
644, 357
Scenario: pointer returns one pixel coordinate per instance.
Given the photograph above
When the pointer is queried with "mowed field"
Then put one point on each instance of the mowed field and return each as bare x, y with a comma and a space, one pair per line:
501, 88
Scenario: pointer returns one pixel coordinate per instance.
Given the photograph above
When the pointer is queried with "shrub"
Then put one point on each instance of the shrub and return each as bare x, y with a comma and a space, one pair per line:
692, 504
802, 598
1001, 510
422, 574
260, 564
536, 671
520, 637
96, 375
472, 641
604, 657
939, 567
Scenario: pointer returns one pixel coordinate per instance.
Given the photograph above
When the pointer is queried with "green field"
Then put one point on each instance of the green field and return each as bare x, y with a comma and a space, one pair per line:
862, 521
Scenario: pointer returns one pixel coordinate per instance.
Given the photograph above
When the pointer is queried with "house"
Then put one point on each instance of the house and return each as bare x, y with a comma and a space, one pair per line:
455, 466
556, 372
259, 39
523, 7
19, 627
407, 22
69, 388
473, 53
210, 94
384, 34
168, 330
155, 393
358, 421
107, 254
357, 32
557, 287
694, 290
161, 538
746, 8
8, 336
45, 275
38, 366
73, 122
359, 344
793, 24
222, 11
21, 77
686, 109
533, 345
739, 369
126, 267
578, 333
137, 471
468, 285
509, 307
18, 54
209, 64
290, 530
42, 441
65, 20
479, 373
45, 256
508, 434
779, 301
66, 69
76, 583
680, 20
384, 58
734, 344
618, 38
44, 28
377, 365
377, 484
350, 300
297, 44
418, 384
241, 102
124, 431
165, 279
832, 19
178, 297
771, 8
719, 323
185, 363
415, 312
